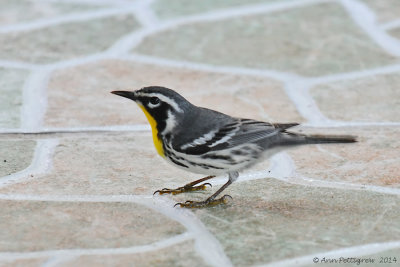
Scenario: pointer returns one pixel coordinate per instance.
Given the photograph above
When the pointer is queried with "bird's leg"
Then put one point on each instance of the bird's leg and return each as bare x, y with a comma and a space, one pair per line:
187, 187
211, 201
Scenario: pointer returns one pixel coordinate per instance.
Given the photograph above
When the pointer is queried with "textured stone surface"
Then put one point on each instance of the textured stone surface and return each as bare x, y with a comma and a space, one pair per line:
374, 98
15, 155
373, 160
12, 12
315, 40
174, 8
51, 225
23, 262
11, 83
177, 255
65, 41
387, 10
287, 220
86, 100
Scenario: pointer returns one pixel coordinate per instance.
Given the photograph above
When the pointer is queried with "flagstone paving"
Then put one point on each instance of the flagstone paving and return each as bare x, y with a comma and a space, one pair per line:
312, 40
79, 225
14, 12
78, 168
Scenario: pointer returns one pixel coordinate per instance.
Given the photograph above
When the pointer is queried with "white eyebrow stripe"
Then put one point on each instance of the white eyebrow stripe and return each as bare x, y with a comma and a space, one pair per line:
163, 98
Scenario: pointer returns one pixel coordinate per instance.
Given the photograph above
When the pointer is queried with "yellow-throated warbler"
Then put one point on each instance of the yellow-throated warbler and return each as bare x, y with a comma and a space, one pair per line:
208, 142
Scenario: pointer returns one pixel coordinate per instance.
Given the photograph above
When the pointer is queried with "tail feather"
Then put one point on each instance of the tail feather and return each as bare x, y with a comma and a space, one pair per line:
322, 139
290, 138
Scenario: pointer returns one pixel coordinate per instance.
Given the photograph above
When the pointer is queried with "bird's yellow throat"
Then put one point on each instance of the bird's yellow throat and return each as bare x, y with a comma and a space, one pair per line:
153, 124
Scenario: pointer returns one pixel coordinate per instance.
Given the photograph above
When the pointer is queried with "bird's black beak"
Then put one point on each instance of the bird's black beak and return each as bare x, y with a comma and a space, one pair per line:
127, 94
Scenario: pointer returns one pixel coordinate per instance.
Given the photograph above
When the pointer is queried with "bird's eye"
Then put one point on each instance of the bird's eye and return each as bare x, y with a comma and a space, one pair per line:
154, 102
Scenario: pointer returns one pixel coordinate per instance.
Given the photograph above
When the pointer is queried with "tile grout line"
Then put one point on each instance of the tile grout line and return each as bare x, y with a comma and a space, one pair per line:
305, 104
206, 244
364, 17
34, 99
278, 75
394, 24
41, 163
109, 3
70, 18
353, 75
145, 15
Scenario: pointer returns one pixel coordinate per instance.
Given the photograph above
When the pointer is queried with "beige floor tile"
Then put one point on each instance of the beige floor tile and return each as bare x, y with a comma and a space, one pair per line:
374, 99
40, 225
177, 255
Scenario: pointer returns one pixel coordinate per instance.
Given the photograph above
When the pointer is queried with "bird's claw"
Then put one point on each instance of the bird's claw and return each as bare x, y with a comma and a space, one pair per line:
203, 204
182, 189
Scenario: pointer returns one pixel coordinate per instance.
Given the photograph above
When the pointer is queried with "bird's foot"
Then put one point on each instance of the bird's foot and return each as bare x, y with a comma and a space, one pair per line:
203, 204
182, 189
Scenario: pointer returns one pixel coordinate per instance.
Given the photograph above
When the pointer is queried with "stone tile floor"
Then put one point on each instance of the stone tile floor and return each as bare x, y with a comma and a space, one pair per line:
77, 164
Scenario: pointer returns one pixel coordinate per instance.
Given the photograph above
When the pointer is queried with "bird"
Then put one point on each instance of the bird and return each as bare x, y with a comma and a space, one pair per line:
208, 142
